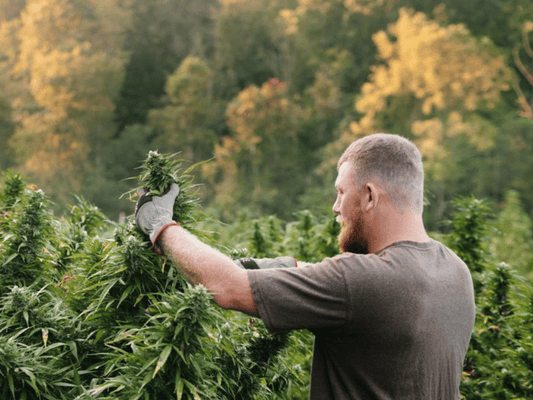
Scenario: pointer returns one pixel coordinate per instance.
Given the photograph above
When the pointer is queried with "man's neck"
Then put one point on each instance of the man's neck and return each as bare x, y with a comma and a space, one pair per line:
397, 227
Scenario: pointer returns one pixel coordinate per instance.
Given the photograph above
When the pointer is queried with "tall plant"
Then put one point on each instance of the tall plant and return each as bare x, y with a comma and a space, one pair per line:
159, 336
497, 363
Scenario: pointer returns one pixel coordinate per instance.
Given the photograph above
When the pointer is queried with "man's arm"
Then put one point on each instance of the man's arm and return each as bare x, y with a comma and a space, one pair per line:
201, 264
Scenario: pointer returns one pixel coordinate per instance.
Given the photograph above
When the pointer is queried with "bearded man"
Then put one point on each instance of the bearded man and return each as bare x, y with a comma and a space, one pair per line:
392, 315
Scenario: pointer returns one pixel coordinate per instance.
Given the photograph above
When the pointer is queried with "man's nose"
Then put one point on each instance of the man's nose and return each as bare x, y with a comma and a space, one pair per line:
335, 207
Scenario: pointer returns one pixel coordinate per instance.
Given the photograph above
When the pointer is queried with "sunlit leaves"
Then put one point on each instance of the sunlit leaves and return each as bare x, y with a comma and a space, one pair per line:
431, 83
365, 7
441, 66
264, 122
66, 79
291, 17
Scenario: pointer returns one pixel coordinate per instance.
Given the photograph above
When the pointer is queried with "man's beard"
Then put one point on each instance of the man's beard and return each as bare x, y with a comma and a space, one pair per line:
351, 239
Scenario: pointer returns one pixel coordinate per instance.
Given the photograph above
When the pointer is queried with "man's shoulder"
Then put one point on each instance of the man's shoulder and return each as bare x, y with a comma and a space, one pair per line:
401, 260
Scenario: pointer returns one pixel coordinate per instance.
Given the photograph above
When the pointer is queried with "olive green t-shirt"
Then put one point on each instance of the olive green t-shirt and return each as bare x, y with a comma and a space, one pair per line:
394, 325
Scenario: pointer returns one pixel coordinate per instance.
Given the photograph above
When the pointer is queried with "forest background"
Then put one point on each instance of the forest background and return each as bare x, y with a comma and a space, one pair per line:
270, 92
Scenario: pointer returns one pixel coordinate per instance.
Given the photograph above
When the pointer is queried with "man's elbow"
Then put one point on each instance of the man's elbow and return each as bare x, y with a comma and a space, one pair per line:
236, 294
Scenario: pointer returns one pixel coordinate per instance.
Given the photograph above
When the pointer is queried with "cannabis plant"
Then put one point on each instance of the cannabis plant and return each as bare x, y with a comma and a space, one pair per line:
153, 334
498, 363
25, 250
159, 172
12, 187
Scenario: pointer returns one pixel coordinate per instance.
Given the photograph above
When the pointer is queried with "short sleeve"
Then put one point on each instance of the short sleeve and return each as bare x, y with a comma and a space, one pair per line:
266, 263
312, 296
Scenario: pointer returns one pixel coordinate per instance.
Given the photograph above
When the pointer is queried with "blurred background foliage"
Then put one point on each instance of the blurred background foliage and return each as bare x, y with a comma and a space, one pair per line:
269, 91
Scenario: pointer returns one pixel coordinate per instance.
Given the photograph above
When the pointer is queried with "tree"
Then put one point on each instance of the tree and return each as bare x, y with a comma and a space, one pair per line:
498, 20
191, 117
443, 75
10, 9
526, 72
161, 35
437, 85
505, 23
6, 130
336, 34
67, 72
249, 48
259, 164
8, 48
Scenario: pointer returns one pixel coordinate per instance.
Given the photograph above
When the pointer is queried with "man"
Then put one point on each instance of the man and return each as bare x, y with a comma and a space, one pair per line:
392, 315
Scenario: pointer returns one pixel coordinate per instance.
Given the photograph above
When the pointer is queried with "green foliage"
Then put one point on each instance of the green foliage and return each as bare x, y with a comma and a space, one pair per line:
469, 235
159, 172
513, 242
89, 311
161, 34
12, 187
25, 256
191, 116
7, 127
39, 337
497, 364
312, 241
87, 216
247, 51
86, 92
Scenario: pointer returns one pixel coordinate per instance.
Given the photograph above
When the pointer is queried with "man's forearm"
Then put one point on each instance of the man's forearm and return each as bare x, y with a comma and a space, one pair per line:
201, 264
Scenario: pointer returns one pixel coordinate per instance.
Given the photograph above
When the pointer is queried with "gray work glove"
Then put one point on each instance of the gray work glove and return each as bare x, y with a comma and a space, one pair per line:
153, 214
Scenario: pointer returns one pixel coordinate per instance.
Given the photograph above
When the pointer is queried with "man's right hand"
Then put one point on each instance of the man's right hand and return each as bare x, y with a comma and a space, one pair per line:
153, 214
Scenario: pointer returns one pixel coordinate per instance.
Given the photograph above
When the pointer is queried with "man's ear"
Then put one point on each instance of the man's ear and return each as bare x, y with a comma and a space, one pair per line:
371, 196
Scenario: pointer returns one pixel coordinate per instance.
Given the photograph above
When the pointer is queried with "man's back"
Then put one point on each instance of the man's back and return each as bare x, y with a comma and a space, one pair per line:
391, 325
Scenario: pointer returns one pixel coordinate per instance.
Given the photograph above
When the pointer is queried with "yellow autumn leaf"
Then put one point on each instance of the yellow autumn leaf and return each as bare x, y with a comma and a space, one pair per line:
45, 336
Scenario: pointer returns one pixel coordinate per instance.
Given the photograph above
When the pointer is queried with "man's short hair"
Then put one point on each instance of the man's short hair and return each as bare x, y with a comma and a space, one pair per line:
392, 162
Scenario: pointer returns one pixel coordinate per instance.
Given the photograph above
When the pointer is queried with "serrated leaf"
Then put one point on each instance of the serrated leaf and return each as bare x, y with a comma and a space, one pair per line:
145, 381
11, 385
126, 293
9, 259
162, 359
179, 389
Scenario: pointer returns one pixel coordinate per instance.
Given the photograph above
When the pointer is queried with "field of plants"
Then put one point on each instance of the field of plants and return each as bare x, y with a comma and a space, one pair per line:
89, 311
